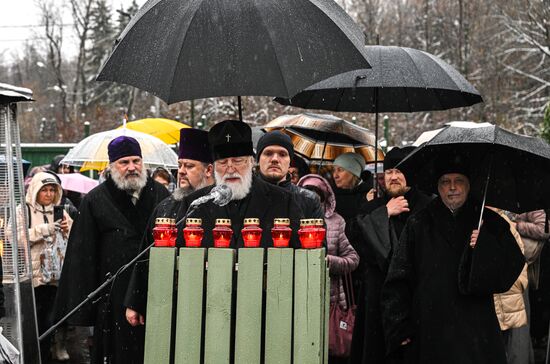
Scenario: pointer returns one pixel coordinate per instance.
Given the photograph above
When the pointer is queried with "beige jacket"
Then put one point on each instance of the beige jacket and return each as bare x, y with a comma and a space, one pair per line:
509, 306
40, 232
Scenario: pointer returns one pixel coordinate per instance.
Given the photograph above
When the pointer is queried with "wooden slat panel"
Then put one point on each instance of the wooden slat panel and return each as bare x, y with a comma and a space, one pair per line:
218, 305
327, 312
248, 331
278, 327
308, 306
159, 305
190, 305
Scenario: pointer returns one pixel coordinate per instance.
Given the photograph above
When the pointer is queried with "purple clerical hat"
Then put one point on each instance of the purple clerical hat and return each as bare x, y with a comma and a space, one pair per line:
123, 146
194, 145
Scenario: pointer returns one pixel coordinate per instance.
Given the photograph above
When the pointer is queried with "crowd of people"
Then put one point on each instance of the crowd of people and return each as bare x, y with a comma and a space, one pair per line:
430, 285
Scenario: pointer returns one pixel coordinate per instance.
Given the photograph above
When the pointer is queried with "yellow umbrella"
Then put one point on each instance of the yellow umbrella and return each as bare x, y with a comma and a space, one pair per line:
165, 129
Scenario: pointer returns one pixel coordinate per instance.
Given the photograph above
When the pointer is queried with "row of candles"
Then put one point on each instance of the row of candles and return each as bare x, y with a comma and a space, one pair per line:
311, 233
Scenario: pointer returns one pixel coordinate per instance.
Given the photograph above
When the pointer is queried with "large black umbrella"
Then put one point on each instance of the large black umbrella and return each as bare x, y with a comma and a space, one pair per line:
401, 80
183, 50
507, 170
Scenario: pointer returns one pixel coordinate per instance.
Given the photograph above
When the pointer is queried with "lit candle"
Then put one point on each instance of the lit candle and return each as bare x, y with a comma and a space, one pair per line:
222, 233
281, 232
193, 232
307, 234
252, 233
164, 232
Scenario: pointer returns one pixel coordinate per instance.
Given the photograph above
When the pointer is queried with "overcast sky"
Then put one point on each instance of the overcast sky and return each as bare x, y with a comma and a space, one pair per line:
20, 20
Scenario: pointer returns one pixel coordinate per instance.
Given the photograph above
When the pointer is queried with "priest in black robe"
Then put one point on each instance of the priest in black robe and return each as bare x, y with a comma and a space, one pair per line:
437, 298
376, 231
252, 197
106, 235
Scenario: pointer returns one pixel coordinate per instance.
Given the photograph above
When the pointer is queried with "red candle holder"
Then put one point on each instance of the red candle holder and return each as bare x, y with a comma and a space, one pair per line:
281, 232
165, 232
308, 234
252, 233
222, 233
320, 232
193, 233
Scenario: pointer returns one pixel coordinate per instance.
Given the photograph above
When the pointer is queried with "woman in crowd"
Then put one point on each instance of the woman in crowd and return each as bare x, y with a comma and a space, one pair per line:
48, 241
342, 258
350, 191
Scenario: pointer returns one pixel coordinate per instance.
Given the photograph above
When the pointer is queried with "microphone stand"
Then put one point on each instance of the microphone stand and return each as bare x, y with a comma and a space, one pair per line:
110, 279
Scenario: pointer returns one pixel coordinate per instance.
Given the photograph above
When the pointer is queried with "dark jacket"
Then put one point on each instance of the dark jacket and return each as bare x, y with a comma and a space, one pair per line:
438, 291
375, 235
350, 202
306, 200
106, 235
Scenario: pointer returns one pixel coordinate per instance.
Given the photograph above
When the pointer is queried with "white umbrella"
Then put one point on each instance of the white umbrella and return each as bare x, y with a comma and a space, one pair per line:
91, 153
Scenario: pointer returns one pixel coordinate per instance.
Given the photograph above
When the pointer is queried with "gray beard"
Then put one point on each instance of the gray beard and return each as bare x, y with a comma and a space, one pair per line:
180, 193
131, 185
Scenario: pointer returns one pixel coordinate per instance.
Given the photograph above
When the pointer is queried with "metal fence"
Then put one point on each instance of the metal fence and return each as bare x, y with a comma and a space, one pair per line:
223, 306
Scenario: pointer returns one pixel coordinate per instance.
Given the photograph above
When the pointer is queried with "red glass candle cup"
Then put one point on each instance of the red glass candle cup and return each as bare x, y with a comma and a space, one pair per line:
281, 232
252, 233
308, 234
193, 233
320, 232
165, 232
222, 233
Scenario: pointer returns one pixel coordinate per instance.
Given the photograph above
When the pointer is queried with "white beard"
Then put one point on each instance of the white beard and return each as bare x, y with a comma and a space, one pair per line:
133, 184
181, 192
240, 189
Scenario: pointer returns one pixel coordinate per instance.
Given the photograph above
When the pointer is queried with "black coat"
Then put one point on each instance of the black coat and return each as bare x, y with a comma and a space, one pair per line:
376, 235
265, 201
350, 202
306, 200
438, 291
106, 235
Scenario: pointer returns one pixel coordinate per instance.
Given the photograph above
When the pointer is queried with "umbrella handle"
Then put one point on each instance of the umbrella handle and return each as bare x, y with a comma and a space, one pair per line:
485, 191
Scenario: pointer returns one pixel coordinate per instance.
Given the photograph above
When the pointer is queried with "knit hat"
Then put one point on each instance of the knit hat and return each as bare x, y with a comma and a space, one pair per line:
123, 146
275, 138
194, 145
230, 138
352, 162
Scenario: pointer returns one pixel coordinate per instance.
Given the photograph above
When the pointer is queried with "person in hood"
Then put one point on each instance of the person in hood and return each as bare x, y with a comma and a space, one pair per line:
342, 258
48, 242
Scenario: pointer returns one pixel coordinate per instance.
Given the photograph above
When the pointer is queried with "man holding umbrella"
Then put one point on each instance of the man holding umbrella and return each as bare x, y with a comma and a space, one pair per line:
376, 231
437, 298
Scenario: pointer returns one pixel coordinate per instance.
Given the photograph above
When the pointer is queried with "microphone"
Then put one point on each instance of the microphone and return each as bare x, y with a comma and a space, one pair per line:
220, 195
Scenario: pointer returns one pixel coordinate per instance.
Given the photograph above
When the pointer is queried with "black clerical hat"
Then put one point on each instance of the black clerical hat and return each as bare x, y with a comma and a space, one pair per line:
230, 138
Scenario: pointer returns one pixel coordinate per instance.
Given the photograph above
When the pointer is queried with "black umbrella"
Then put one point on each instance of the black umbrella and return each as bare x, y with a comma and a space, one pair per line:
507, 170
401, 80
184, 50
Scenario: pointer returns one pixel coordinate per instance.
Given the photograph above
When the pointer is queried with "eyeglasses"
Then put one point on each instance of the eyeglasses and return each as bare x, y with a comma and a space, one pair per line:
235, 162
